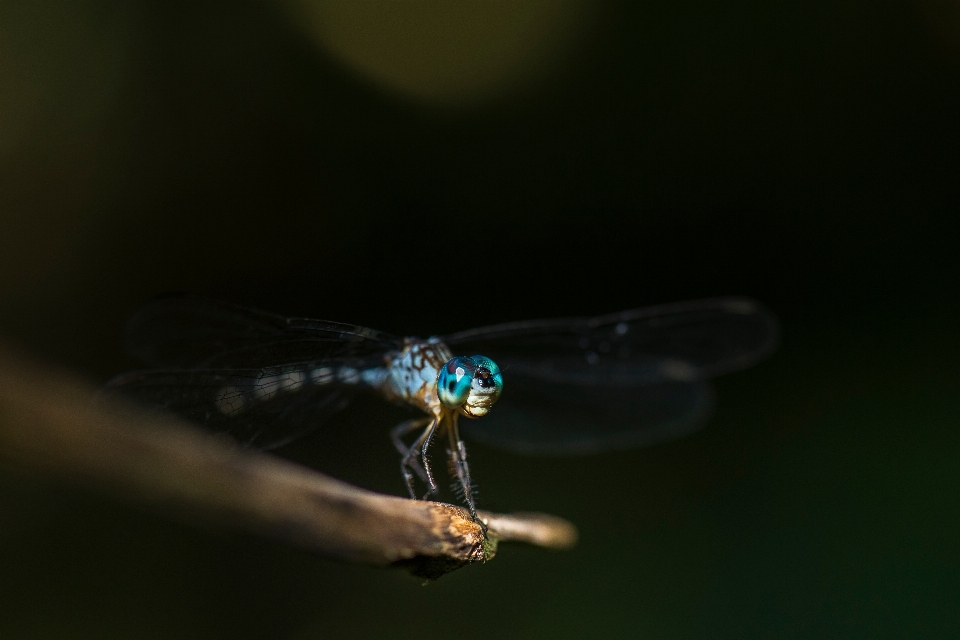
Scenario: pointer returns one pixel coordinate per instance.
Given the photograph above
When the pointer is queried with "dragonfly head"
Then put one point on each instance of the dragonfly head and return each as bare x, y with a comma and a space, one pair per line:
470, 385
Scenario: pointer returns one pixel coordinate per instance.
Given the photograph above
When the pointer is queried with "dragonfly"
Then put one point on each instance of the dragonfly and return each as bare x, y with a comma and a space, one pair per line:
562, 386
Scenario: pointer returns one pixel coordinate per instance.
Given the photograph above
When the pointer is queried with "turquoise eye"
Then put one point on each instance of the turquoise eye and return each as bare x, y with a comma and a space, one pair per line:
455, 380
492, 376
486, 363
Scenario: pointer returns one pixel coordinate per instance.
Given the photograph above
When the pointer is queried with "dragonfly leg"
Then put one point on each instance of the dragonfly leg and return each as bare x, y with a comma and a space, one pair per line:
428, 436
402, 429
410, 461
458, 459
407, 460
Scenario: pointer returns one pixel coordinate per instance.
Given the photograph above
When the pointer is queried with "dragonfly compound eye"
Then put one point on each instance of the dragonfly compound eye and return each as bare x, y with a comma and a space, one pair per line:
455, 381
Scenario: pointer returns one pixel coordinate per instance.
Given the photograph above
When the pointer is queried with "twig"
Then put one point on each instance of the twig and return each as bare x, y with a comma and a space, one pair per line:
49, 425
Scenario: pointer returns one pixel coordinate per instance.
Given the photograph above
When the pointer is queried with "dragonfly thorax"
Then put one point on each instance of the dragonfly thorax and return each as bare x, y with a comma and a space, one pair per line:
412, 373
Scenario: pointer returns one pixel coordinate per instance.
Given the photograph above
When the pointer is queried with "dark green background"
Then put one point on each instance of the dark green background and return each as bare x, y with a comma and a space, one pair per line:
803, 153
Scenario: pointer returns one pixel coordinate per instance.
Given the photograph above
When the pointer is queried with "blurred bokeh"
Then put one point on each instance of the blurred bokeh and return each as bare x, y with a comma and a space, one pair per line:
367, 161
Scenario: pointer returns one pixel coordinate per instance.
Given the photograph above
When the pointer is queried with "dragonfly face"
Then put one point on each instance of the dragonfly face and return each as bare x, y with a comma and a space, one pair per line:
469, 385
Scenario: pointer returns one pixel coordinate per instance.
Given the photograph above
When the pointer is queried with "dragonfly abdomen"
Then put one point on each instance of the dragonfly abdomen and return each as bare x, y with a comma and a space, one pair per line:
283, 381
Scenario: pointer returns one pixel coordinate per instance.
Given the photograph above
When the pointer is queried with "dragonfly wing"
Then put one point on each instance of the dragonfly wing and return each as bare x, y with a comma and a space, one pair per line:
539, 417
682, 342
191, 331
262, 408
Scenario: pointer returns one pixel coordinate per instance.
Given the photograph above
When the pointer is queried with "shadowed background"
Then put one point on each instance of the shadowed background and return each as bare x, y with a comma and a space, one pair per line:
420, 169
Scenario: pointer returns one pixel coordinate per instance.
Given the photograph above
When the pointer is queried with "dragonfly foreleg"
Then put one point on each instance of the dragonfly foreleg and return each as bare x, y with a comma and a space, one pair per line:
458, 461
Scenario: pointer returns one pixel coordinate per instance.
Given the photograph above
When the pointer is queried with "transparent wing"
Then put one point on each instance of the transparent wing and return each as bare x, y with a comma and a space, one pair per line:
684, 342
261, 408
191, 331
539, 417
582, 385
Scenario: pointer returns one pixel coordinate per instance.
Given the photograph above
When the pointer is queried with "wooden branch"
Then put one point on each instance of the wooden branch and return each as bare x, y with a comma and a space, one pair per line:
50, 425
